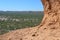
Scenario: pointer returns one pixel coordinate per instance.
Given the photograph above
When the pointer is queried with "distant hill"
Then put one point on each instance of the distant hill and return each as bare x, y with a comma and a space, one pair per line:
19, 12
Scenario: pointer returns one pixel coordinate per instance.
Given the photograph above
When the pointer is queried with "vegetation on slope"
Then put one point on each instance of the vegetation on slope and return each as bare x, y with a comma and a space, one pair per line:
12, 20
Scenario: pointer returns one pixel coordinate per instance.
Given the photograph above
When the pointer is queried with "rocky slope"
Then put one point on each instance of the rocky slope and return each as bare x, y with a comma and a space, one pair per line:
49, 29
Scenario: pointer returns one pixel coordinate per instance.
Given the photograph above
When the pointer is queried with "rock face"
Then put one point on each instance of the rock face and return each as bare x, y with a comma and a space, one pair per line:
49, 29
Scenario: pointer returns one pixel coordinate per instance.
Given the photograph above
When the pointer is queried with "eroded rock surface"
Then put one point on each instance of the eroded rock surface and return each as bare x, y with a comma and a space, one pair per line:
49, 29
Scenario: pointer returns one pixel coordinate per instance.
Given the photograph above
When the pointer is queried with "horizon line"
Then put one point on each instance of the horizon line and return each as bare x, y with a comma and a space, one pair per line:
18, 10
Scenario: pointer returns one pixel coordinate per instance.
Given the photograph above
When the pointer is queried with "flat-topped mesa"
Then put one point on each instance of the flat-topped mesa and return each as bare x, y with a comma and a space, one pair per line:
51, 12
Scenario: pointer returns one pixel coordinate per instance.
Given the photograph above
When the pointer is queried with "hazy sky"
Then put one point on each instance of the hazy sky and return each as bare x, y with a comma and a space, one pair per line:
21, 5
